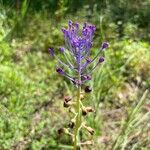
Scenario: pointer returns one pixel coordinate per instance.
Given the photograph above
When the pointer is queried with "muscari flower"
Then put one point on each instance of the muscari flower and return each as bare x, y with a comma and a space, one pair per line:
88, 89
77, 51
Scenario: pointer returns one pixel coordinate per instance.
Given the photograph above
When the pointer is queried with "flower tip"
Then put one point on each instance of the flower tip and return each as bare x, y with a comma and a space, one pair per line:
63, 30
84, 25
59, 71
62, 49
92, 27
88, 60
101, 59
70, 23
105, 45
51, 51
77, 25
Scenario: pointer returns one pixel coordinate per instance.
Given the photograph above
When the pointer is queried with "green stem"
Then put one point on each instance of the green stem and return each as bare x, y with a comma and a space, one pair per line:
78, 118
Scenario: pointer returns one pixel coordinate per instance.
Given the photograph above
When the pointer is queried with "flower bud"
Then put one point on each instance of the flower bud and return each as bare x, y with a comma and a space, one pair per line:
64, 31
62, 49
59, 71
67, 98
86, 77
105, 45
84, 112
87, 110
88, 89
101, 59
77, 25
89, 129
71, 124
76, 82
51, 51
70, 23
63, 130
66, 104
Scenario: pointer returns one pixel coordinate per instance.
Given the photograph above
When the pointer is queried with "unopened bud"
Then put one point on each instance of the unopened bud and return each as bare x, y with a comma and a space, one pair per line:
88, 89
59, 71
101, 59
62, 49
63, 130
51, 51
105, 45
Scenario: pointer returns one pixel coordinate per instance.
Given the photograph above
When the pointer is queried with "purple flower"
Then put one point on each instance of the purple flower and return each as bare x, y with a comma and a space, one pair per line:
105, 45
88, 89
101, 59
77, 51
59, 70
86, 77
62, 49
51, 51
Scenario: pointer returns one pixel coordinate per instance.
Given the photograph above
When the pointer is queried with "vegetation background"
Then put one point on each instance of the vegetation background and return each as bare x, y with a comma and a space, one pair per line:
31, 93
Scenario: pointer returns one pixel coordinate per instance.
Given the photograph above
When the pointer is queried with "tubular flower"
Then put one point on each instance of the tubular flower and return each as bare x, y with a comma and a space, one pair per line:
77, 51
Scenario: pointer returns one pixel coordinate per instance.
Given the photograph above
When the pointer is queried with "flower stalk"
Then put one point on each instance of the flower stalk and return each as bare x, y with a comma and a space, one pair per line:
78, 118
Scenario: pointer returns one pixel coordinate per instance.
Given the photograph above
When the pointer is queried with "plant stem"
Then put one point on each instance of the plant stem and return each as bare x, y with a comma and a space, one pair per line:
78, 118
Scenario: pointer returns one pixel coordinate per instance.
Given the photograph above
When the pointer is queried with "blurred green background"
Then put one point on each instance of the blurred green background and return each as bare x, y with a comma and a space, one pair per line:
31, 93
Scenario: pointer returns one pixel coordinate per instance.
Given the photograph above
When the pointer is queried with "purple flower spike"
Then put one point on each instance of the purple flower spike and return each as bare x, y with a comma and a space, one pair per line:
101, 59
77, 53
51, 51
62, 49
105, 45
59, 71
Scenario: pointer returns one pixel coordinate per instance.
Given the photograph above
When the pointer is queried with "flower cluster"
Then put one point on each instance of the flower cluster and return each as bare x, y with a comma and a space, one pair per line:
77, 51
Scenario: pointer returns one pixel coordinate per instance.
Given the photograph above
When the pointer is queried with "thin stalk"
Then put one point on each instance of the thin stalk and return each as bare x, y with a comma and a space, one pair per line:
78, 118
